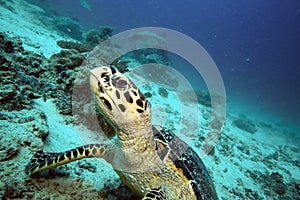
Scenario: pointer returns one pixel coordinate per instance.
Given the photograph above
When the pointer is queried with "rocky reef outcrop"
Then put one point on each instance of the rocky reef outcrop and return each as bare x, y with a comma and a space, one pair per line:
245, 124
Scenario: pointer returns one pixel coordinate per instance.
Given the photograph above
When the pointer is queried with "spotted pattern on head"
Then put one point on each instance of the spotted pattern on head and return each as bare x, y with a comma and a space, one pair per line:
119, 99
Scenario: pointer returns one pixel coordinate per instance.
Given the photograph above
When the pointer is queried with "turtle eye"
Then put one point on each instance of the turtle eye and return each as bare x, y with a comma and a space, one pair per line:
113, 70
120, 83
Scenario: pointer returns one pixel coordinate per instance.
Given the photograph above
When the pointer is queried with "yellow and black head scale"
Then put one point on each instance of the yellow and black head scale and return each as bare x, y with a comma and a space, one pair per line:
120, 100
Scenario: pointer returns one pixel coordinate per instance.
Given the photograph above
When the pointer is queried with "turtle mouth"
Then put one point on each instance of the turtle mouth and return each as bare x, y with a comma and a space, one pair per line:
101, 85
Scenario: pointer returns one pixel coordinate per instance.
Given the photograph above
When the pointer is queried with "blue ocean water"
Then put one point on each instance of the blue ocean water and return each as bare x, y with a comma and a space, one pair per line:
255, 44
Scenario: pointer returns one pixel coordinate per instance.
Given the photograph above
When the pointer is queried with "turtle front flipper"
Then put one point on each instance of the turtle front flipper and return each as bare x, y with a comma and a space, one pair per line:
158, 194
45, 160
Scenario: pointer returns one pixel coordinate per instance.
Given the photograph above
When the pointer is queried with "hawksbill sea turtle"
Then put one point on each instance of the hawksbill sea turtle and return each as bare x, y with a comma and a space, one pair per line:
151, 160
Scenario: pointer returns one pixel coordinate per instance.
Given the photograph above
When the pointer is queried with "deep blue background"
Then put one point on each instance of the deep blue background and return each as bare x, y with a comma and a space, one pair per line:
255, 43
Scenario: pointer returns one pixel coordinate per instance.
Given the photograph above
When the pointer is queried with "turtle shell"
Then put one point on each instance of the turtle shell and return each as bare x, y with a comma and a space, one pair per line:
171, 147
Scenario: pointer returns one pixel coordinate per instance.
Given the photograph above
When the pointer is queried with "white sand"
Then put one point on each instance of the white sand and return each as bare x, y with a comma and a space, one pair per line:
29, 22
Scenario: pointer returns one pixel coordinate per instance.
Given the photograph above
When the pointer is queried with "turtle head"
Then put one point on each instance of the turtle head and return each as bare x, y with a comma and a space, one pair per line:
120, 101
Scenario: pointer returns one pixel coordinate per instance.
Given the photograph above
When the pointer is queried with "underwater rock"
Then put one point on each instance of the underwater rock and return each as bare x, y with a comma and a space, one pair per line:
163, 92
145, 38
41, 130
216, 123
2, 61
7, 93
245, 124
30, 63
121, 65
121, 192
69, 27
87, 166
62, 72
226, 150
296, 163
17, 137
8, 152
66, 59
21, 74
9, 45
273, 184
11, 97
203, 98
273, 156
146, 56
60, 187
80, 47
208, 148
151, 58
250, 194
148, 95
244, 148
95, 37
63, 103
106, 127
15, 190
92, 37
277, 183
105, 32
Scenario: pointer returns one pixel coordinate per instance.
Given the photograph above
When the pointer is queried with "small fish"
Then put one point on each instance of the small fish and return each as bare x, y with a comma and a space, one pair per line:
86, 4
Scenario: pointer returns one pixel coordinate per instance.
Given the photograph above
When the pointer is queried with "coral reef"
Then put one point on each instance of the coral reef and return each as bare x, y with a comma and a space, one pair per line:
62, 68
28, 76
94, 37
163, 92
275, 181
18, 82
9, 46
80, 47
37, 77
64, 60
